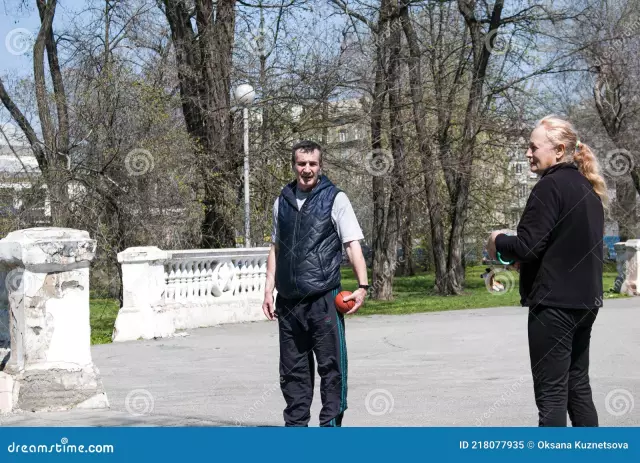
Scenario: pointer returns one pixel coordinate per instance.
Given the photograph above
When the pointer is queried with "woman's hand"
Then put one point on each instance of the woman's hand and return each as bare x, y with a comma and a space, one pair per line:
515, 266
491, 243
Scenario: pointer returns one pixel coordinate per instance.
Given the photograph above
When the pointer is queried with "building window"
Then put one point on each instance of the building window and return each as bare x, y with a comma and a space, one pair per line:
342, 135
522, 191
518, 168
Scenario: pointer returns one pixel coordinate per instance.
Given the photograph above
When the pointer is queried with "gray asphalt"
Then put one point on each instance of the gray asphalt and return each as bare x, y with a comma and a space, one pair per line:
457, 368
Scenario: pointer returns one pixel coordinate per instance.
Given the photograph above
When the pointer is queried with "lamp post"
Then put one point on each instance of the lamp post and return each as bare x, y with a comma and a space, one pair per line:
244, 96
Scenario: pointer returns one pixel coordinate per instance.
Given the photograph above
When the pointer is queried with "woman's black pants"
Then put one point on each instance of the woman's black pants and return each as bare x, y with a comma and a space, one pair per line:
559, 350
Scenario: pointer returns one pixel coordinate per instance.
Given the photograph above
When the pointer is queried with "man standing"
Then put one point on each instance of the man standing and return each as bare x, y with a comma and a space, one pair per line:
312, 221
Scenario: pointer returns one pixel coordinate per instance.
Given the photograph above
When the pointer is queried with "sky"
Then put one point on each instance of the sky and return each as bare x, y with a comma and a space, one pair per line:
19, 26
18, 29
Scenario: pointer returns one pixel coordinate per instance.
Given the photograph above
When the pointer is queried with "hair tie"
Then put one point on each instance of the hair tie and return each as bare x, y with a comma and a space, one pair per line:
577, 144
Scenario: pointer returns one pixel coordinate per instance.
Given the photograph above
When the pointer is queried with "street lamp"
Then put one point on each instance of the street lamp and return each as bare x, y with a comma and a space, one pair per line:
244, 96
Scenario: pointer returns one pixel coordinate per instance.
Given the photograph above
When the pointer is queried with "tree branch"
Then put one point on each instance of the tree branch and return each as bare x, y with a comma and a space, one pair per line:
343, 6
58, 84
38, 72
23, 123
261, 6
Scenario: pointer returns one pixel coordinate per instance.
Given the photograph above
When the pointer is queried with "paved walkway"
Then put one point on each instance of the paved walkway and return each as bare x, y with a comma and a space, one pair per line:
458, 368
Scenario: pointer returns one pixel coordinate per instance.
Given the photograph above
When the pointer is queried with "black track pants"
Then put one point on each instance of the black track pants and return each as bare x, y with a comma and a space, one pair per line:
307, 328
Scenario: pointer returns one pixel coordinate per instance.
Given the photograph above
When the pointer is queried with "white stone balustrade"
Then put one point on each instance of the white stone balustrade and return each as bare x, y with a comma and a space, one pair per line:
628, 263
44, 315
165, 291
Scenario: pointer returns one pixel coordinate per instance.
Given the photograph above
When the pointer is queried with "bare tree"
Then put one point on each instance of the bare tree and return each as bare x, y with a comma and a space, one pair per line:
52, 150
611, 48
203, 39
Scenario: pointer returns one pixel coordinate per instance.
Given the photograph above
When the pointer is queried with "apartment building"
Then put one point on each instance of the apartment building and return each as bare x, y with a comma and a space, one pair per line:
22, 193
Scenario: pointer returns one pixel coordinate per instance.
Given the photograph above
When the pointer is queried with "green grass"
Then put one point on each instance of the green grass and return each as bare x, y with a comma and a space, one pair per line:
416, 294
411, 295
102, 318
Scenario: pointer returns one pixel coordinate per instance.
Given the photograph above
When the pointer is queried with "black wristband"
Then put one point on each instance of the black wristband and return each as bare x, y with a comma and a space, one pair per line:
364, 286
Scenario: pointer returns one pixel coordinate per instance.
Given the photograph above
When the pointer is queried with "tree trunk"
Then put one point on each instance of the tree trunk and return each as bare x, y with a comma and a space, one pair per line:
481, 54
609, 107
426, 153
62, 144
379, 284
52, 152
398, 176
635, 176
407, 266
204, 66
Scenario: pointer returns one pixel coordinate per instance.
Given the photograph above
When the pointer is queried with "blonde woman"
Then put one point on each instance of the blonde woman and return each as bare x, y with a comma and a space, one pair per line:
560, 253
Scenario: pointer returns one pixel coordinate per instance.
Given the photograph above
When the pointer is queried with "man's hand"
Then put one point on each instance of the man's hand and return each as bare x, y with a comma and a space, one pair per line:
354, 252
268, 306
359, 296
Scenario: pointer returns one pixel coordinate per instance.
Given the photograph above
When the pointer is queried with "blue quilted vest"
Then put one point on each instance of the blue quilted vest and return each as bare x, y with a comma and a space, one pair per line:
309, 248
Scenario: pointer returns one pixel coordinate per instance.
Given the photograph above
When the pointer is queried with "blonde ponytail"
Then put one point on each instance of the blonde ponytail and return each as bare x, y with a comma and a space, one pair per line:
590, 167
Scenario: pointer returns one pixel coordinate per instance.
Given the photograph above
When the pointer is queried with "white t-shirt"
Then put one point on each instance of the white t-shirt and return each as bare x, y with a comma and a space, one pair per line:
342, 215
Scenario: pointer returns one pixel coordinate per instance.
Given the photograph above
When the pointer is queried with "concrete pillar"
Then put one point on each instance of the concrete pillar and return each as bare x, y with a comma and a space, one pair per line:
47, 288
631, 283
143, 288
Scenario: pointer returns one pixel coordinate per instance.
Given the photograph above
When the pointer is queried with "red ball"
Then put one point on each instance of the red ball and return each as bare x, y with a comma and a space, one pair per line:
342, 305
